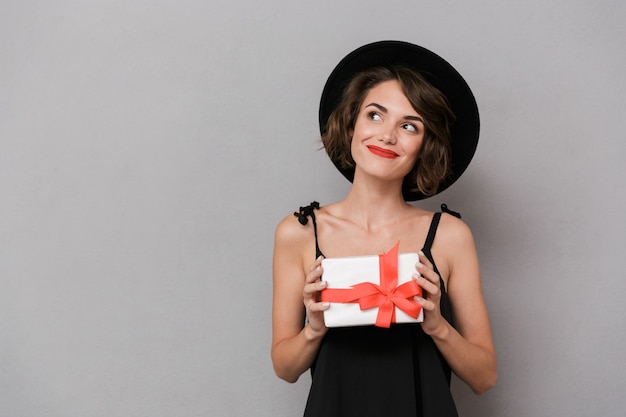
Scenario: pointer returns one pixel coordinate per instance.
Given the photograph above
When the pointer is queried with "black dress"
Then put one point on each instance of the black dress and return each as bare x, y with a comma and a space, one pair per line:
371, 371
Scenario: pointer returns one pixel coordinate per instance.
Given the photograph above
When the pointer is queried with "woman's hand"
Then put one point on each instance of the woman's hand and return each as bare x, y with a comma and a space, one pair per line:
429, 280
311, 298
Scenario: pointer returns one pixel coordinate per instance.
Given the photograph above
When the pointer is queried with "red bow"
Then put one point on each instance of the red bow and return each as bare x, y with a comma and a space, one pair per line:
386, 296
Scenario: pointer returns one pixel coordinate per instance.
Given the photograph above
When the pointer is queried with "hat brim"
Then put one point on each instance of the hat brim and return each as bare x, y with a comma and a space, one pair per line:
437, 71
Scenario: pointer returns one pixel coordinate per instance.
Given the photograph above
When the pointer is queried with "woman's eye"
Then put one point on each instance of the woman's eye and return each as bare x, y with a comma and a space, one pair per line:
410, 127
374, 116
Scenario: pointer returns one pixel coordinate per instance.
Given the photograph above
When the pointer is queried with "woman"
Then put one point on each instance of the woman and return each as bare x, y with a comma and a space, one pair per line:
404, 128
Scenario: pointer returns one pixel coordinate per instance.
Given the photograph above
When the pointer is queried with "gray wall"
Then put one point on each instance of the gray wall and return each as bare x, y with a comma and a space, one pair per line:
148, 149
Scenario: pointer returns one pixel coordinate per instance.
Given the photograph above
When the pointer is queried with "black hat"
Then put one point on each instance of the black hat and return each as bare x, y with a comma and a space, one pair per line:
438, 72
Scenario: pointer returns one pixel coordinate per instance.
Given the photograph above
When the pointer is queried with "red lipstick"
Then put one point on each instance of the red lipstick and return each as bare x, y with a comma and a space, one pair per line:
382, 152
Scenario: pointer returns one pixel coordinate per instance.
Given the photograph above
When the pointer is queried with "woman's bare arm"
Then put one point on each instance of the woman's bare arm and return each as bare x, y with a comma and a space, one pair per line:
296, 289
468, 349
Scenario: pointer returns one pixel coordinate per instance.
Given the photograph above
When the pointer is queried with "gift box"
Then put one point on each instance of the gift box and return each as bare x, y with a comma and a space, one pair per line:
371, 290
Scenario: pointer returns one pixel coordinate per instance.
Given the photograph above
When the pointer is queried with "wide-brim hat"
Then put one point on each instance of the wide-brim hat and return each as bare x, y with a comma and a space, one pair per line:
437, 71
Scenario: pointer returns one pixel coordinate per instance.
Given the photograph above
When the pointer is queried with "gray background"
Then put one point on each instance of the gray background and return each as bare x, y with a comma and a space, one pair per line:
148, 149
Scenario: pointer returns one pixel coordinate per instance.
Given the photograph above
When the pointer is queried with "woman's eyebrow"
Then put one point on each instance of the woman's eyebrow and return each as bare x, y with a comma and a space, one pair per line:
378, 106
384, 110
415, 118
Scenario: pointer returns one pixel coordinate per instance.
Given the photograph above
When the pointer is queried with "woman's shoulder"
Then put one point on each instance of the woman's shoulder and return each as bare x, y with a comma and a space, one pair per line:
453, 232
295, 236
297, 227
290, 229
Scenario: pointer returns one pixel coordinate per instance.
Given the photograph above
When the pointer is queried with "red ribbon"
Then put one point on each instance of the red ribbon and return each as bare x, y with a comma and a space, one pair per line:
386, 296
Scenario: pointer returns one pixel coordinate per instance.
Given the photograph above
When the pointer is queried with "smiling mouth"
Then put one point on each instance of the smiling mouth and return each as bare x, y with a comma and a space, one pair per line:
382, 152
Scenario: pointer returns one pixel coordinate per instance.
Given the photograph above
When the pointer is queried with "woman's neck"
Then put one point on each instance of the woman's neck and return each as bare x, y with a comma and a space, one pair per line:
373, 206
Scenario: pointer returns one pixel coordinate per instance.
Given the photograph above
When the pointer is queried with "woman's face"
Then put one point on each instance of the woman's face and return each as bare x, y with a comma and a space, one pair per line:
388, 133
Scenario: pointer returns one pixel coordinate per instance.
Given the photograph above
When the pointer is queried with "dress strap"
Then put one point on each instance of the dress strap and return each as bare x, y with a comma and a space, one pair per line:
430, 238
433, 227
445, 209
303, 217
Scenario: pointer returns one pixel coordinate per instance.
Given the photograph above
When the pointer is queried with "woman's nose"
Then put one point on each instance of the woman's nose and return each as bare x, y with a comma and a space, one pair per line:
387, 136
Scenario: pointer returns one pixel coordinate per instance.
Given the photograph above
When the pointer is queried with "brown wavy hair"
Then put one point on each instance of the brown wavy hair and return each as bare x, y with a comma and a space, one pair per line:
433, 162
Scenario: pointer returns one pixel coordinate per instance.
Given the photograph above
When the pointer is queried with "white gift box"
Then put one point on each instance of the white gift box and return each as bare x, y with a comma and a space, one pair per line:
346, 272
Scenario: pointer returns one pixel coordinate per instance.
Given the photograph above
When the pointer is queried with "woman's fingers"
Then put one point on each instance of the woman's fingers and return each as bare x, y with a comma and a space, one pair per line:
428, 278
318, 307
425, 268
426, 304
312, 290
315, 271
313, 283
427, 284
312, 287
